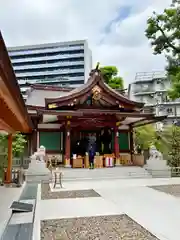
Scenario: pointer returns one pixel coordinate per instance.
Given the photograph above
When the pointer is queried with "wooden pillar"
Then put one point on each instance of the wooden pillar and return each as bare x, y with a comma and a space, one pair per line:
116, 145
67, 145
9, 165
131, 143
34, 141
37, 139
29, 145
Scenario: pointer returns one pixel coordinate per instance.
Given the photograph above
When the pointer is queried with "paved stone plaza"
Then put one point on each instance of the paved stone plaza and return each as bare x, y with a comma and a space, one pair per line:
105, 209
136, 209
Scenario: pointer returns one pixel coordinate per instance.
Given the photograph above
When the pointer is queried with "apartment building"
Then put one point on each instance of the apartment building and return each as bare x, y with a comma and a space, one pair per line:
151, 88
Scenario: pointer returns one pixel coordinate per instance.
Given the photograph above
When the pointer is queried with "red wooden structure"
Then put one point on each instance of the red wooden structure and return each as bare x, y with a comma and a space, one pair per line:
92, 107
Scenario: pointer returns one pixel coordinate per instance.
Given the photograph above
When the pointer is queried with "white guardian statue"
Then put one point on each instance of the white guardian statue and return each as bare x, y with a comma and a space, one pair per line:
155, 165
38, 170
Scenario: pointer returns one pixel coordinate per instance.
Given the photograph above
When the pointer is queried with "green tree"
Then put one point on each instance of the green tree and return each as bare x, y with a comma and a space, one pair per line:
164, 32
168, 143
18, 144
145, 136
110, 75
174, 143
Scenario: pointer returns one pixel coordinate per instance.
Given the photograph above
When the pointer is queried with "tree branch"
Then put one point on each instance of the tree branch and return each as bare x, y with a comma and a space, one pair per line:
167, 40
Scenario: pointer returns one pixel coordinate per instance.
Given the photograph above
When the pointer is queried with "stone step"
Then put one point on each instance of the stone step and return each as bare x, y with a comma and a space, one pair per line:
105, 178
101, 174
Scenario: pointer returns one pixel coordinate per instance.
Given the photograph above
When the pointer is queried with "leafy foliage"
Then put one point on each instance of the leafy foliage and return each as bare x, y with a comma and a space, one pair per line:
174, 144
18, 144
167, 141
164, 32
145, 136
110, 75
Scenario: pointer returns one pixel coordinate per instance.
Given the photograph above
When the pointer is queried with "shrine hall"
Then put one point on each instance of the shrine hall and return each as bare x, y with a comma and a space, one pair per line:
65, 119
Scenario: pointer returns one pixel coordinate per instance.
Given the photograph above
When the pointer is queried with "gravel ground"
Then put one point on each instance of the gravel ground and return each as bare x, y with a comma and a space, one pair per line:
47, 194
94, 228
170, 189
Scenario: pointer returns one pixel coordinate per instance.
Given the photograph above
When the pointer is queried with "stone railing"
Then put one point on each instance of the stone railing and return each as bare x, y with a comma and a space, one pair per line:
21, 162
175, 172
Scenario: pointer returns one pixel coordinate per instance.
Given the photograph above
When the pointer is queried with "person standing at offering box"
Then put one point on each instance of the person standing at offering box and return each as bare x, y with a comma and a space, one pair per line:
92, 153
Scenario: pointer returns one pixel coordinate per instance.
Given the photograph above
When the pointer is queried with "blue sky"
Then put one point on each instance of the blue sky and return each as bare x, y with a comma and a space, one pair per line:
122, 13
114, 29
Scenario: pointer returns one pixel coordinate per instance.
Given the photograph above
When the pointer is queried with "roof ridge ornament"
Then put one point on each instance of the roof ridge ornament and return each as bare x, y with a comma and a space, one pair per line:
97, 66
95, 71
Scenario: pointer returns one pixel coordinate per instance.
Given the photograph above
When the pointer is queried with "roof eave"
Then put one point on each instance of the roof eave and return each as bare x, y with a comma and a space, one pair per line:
12, 83
151, 121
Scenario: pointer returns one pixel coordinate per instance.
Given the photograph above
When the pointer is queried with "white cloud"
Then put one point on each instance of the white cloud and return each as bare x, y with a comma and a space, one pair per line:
31, 22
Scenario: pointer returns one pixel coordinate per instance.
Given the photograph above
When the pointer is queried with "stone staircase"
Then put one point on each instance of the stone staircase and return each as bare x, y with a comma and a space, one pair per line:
104, 173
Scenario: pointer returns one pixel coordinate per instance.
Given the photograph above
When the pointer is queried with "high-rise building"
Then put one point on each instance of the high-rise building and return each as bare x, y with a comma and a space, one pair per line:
61, 64
152, 89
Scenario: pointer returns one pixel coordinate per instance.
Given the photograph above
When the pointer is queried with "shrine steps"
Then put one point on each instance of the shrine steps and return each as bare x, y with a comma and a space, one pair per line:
104, 173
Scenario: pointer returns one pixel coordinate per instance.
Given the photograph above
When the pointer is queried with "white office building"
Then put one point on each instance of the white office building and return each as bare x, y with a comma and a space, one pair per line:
61, 64
151, 88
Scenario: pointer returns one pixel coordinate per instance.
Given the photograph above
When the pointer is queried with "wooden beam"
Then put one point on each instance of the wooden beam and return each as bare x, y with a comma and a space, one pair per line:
115, 112
10, 102
9, 166
7, 116
5, 127
85, 112
9, 89
95, 124
60, 113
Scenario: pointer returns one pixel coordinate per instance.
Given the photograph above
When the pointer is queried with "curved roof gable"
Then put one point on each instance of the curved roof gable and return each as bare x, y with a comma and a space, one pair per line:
94, 79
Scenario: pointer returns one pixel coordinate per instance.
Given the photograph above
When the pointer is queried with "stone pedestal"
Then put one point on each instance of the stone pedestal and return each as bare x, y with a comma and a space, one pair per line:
38, 172
158, 168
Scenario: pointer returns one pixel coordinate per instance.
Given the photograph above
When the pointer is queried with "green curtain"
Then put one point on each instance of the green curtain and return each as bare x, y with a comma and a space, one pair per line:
50, 140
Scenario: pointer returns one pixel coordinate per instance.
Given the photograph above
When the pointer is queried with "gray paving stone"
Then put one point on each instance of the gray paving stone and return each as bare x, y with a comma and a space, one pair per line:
29, 192
18, 232
20, 226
